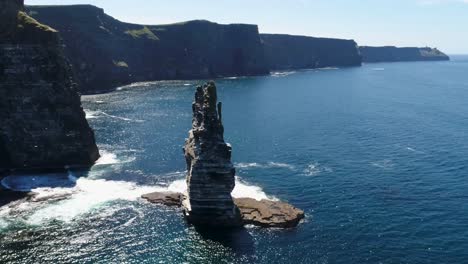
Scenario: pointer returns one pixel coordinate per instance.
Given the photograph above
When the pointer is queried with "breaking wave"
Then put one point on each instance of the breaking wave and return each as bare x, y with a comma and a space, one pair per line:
268, 165
282, 74
241, 190
98, 114
315, 169
65, 198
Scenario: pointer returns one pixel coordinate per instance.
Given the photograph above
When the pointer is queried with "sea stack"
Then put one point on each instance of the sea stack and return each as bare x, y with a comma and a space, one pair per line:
43, 125
210, 172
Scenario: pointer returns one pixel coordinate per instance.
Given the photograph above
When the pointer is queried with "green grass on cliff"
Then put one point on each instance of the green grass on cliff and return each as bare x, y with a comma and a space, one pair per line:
145, 32
25, 21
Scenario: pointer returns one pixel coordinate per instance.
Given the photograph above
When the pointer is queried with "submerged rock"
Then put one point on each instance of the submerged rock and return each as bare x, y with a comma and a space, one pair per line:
43, 125
210, 177
267, 213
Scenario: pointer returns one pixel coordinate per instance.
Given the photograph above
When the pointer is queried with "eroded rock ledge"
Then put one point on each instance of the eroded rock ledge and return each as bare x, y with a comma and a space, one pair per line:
264, 213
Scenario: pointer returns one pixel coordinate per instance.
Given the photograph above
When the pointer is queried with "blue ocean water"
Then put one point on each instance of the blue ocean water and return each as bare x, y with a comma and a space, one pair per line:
376, 156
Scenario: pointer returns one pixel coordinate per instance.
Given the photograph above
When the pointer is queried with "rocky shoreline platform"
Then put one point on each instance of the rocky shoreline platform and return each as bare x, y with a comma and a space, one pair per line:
263, 213
210, 177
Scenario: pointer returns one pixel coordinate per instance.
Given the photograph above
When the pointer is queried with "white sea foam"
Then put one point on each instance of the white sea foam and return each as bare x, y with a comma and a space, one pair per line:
69, 203
415, 150
383, 164
107, 158
91, 114
98, 114
378, 69
86, 196
244, 190
268, 165
315, 169
282, 74
328, 68
241, 190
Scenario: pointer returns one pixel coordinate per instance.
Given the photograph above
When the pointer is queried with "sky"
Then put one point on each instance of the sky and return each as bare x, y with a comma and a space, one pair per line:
435, 23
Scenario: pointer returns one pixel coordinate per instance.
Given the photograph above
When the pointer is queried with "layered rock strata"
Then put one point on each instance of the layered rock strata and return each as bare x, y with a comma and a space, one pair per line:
286, 52
107, 53
210, 177
43, 125
266, 213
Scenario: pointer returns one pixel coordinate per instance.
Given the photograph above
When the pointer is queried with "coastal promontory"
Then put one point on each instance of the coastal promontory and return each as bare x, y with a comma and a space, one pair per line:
395, 54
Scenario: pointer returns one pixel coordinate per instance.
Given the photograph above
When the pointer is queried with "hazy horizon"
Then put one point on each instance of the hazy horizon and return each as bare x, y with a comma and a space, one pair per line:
403, 23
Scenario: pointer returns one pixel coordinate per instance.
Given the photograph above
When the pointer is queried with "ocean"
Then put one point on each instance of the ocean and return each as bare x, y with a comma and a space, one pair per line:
376, 156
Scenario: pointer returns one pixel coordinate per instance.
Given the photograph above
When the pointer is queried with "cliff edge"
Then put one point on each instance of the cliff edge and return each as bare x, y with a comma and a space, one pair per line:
285, 52
107, 53
43, 125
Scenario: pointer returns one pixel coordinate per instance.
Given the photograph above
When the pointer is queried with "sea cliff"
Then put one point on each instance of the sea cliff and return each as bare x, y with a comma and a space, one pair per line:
106, 53
394, 54
284, 52
42, 123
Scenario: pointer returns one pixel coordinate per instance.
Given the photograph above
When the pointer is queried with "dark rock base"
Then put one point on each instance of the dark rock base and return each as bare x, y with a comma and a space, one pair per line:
264, 213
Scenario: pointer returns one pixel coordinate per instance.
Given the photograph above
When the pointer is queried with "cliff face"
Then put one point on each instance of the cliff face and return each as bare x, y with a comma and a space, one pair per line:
106, 53
299, 52
210, 178
42, 123
393, 54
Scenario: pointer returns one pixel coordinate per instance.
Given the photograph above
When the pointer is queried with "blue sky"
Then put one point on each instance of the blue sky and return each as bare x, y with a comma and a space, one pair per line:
437, 23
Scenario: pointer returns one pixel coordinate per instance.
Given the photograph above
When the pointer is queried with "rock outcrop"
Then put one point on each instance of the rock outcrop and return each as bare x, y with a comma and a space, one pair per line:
42, 123
394, 54
285, 52
164, 198
107, 53
267, 213
210, 173
264, 213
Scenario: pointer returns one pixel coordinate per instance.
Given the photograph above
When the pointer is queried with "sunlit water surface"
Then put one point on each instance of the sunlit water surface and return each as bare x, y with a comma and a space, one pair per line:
376, 156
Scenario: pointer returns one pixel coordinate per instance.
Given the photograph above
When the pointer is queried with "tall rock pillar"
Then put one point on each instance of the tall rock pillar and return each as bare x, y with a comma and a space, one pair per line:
210, 176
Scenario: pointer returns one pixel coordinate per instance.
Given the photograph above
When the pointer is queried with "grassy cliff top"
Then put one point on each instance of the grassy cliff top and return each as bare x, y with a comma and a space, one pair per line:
27, 22
21, 28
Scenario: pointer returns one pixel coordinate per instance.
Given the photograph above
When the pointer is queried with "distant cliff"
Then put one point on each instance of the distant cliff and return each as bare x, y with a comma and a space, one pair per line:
394, 54
42, 123
106, 53
299, 52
